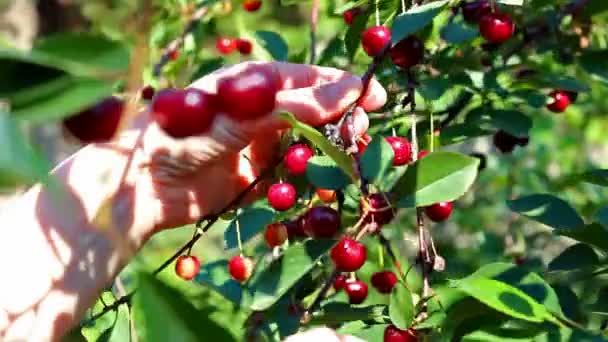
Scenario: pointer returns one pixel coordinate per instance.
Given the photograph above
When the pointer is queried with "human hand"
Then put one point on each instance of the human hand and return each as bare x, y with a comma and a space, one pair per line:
321, 334
197, 176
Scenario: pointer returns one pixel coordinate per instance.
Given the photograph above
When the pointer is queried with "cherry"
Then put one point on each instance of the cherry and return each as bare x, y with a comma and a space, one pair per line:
225, 45
362, 143
350, 15
356, 291
384, 281
380, 210
340, 282
173, 54
244, 46
348, 255
295, 228
326, 195
402, 148
439, 211
282, 196
394, 334
374, 40
184, 113
275, 234
147, 92
240, 268
407, 53
98, 123
296, 158
321, 222
496, 27
423, 153
250, 94
473, 11
252, 5
506, 142
561, 101
187, 267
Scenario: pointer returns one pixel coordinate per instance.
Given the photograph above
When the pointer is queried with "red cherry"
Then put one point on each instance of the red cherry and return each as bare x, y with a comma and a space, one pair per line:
98, 123
184, 113
225, 45
348, 255
295, 228
561, 101
296, 158
496, 27
350, 15
187, 266
252, 5
402, 148
473, 11
173, 54
250, 94
407, 53
147, 92
384, 281
326, 195
340, 282
380, 211
439, 211
374, 40
423, 153
362, 143
282, 196
275, 234
394, 334
244, 46
240, 268
356, 291
321, 222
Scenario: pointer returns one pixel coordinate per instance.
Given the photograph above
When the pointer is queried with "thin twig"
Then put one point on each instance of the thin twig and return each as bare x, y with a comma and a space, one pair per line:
391, 253
321, 295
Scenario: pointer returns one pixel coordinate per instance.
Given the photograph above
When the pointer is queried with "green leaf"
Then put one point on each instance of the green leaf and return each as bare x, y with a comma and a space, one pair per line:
336, 313
596, 64
594, 234
274, 44
323, 172
377, 159
282, 274
602, 216
438, 177
352, 39
597, 177
252, 221
547, 209
415, 19
401, 308
334, 48
371, 333
504, 298
341, 158
459, 133
215, 276
457, 33
511, 121
121, 331
574, 257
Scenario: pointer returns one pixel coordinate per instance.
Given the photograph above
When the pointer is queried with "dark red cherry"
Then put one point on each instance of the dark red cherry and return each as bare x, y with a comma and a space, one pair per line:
252, 5
496, 27
560, 102
296, 158
173, 55
407, 53
275, 234
348, 255
380, 210
244, 46
282, 196
350, 15
340, 282
473, 11
402, 149
356, 291
184, 113
225, 45
147, 93
295, 228
321, 222
98, 123
439, 211
384, 281
374, 40
394, 334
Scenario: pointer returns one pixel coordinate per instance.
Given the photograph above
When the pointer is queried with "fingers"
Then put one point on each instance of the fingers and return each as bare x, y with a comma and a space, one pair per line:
321, 334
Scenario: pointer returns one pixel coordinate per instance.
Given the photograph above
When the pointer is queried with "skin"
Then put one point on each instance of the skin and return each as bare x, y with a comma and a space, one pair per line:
62, 247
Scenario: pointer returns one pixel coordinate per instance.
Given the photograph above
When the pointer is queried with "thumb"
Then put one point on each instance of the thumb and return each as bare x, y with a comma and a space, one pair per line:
320, 104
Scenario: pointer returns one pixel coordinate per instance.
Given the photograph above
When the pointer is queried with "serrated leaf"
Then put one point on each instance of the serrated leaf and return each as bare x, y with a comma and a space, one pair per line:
438, 177
215, 276
252, 221
274, 44
547, 209
377, 159
341, 158
401, 308
415, 19
323, 172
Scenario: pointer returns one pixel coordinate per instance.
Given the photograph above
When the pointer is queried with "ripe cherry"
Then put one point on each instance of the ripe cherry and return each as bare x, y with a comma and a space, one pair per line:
282, 196
184, 113
402, 148
423, 153
362, 143
506, 142
374, 40
173, 55
350, 15
407, 53
321, 222
295, 228
348, 255
356, 291
244, 46
147, 92
394, 334
252, 5
496, 27
326, 195
275, 234
340, 282
250, 94
473, 11
384, 281
296, 158
98, 123
561, 101
380, 210
187, 267
439, 211
225, 45
240, 268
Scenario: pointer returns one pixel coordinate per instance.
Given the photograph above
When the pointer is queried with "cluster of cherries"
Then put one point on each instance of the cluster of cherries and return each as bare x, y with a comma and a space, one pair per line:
227, 45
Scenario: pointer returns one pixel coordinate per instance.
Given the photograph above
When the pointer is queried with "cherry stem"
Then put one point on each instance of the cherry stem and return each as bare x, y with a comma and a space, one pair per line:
424, 256
238, 234
402, 6
321, 295
377, 12
314, 20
